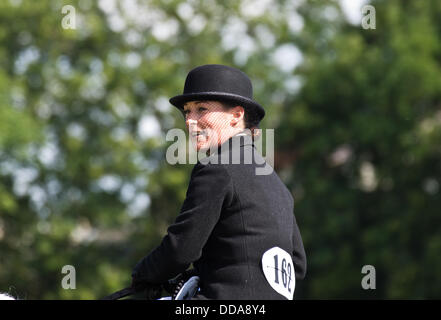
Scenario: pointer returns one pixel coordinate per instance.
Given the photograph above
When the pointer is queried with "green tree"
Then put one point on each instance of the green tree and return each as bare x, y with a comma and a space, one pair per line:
84, 113
364, 139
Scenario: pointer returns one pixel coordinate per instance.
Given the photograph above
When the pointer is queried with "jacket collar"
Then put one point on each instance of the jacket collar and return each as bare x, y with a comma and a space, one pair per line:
233, 147
239, 140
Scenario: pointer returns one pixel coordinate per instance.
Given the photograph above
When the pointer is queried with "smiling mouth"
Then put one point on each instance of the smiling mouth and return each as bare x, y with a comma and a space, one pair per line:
199, 134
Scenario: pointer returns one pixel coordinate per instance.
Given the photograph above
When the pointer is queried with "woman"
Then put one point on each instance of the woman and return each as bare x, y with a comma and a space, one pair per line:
236, 227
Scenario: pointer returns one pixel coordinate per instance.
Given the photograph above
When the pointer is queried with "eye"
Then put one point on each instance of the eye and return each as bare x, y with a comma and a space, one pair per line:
202, 109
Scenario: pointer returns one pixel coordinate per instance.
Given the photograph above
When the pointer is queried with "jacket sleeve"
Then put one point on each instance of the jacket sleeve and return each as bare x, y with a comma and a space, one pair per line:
209, 190
299, 255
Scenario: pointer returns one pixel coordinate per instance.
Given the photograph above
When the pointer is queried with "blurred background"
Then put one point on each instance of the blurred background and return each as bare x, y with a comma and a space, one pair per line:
84, 113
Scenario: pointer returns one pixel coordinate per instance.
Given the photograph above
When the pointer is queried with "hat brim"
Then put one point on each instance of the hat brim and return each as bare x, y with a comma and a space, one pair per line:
180, 100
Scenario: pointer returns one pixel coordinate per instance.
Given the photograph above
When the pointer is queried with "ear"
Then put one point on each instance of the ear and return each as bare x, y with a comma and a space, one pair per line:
238, 113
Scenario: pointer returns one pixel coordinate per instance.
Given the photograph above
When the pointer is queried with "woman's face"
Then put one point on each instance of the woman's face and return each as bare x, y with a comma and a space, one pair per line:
210, 124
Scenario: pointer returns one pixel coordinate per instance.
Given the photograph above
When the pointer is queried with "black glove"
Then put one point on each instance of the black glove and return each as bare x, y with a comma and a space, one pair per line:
138, 284
152, 290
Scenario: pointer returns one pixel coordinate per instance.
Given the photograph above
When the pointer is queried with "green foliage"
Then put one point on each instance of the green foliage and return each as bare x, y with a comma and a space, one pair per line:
373, 95
84, 112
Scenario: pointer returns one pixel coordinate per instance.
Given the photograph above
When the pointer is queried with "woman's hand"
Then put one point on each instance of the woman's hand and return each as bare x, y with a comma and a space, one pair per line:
152, 290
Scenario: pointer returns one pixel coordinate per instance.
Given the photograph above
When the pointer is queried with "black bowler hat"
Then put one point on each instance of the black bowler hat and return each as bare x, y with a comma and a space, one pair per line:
220, 83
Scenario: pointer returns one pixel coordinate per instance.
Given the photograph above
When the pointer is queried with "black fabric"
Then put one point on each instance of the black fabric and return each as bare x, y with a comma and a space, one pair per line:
220, 83
229, 218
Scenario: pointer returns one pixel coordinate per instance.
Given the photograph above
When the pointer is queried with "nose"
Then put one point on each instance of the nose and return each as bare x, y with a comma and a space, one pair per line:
190, 121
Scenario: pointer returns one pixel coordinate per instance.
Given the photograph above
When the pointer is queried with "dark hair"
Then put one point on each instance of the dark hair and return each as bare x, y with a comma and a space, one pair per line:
251, 119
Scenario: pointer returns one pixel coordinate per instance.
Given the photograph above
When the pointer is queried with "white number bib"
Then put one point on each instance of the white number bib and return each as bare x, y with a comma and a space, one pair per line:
279, 271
